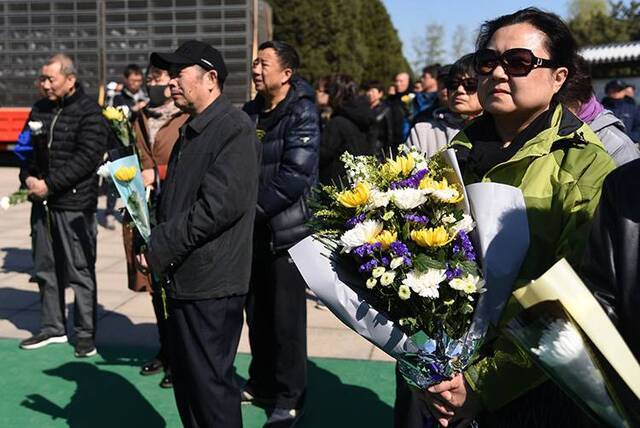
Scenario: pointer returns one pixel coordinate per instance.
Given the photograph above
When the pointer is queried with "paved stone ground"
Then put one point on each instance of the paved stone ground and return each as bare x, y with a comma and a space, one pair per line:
124, 317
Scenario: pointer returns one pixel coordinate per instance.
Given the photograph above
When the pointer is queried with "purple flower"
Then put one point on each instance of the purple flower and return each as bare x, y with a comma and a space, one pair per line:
367, 249
355, 220
463, 245
414, 218
399, 249
368, 266
385, 261
452, 273
413, 181
407, 260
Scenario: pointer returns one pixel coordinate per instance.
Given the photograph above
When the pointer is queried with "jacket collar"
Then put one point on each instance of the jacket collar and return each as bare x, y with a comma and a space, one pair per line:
199, 122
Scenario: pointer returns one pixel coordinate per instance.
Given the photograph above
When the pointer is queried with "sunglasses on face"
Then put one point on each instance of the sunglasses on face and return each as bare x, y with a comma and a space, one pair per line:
516, 62
469, 84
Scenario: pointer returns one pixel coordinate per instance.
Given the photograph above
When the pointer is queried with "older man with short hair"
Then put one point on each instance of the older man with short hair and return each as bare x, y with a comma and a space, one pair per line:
202, 243
63, 186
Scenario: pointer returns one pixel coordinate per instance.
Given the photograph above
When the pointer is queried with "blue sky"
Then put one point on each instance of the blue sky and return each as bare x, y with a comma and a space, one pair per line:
410, 17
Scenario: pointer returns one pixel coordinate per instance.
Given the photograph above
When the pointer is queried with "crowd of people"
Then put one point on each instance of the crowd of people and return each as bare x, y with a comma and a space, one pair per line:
230, 197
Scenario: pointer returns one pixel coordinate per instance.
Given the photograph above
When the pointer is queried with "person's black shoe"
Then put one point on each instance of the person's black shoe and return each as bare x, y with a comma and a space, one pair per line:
283, 418
248, 396
85, 347
167, 381
152, 367
40, 340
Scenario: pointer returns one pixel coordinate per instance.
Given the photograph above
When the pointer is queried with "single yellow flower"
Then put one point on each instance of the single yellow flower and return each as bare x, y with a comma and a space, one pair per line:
406, 164
395, 167
428, 183
386, 238
356, 197
390, 170
113, 114
125, 173
431, 237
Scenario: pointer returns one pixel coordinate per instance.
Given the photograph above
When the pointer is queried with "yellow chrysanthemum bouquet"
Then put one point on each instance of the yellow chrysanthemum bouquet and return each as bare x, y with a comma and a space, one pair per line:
125, 174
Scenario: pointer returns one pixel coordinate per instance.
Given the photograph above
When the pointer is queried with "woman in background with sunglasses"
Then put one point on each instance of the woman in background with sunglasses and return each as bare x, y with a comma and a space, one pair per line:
528, 140
463, 106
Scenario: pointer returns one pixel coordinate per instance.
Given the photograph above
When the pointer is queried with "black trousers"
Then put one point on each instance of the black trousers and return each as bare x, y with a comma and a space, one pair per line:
64, 254
204, 336
407, 411
162, 323
277, 320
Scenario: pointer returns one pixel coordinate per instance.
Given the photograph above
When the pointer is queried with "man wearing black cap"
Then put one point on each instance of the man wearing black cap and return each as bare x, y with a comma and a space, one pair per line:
623, 107
202, 244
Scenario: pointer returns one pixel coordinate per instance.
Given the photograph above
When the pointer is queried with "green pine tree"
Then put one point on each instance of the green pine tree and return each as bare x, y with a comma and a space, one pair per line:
354, 37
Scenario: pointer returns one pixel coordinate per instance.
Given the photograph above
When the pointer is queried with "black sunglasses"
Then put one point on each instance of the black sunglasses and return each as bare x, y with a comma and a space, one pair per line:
516, 62
470, 85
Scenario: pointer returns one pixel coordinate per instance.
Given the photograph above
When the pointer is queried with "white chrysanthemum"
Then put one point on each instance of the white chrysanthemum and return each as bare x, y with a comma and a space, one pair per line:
466, 224
5, 203
407, 199
371, 282
377, 272
387, 278
426, 283
560, 344
379, 199
445, 194
396, 262
469, 284
361, 234
449, 219
35, 126
103, 171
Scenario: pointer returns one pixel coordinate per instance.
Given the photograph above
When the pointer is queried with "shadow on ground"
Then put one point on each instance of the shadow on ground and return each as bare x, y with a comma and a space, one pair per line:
139, 340
101, 399
17, 260
331, 402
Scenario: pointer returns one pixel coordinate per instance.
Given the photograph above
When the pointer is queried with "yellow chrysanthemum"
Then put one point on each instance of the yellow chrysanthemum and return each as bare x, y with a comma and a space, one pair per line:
395, 167
428, 183
356, 197
406, 164
113, 114
386, 238
390, 170
442, 190
431, 237
125, 173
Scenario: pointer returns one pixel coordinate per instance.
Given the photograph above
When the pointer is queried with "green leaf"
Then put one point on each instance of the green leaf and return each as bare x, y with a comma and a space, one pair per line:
422, 263
469, 267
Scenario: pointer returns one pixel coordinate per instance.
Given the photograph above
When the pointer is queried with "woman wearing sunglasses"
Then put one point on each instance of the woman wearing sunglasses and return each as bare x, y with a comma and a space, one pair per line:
528, 140
446, 122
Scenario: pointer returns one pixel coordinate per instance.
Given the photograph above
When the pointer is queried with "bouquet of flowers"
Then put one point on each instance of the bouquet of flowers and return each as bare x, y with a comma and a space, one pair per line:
125, 173
399, 244
118, 118
567, 333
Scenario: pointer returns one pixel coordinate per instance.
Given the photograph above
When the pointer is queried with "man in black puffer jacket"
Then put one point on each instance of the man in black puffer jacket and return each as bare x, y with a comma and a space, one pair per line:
69, 136
288, 125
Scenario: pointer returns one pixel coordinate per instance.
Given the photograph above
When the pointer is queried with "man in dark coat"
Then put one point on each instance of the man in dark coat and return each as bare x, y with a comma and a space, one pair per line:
202, 243
288, 125
610, 265
69, 136
623, 107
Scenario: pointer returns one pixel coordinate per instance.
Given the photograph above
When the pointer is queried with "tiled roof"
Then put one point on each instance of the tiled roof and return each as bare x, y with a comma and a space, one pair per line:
611, 53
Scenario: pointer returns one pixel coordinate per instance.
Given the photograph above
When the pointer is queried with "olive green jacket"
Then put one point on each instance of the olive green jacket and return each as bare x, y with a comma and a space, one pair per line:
560, 172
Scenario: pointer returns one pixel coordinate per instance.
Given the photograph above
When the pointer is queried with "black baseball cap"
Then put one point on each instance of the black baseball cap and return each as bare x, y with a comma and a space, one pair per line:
617, 85
190, 53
